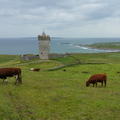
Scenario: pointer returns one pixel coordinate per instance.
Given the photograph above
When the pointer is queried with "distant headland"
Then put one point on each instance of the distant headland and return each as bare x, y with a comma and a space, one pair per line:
103, 46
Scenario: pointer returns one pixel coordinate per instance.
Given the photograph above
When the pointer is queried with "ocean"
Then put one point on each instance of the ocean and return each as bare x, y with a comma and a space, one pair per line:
29, 45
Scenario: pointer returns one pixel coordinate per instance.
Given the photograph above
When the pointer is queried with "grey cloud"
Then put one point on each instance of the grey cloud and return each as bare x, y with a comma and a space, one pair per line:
100, 12
57, 14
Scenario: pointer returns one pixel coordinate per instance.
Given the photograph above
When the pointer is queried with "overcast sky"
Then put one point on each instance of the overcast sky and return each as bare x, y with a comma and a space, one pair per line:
60, 18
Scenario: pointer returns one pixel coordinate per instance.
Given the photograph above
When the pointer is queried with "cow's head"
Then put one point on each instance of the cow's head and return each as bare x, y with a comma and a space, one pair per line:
87, 83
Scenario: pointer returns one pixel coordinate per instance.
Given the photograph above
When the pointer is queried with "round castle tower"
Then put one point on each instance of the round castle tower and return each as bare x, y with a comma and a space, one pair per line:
44, 46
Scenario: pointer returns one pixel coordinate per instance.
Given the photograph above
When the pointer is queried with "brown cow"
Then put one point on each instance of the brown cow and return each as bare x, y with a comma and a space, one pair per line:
10, 72
36, 69
97, 78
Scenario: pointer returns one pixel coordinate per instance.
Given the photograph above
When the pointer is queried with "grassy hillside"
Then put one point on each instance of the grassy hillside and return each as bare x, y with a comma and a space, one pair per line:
62, 95
98, 57
9, 60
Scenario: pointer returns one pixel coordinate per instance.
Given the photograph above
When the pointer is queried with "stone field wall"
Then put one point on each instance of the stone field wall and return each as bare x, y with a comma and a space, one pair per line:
26, 58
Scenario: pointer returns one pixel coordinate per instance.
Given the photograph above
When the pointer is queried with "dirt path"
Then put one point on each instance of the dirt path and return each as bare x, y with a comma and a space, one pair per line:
60, 64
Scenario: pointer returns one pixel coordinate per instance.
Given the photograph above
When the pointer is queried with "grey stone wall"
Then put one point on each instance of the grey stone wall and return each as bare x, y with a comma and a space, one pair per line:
50, 56
59, 55
26, 58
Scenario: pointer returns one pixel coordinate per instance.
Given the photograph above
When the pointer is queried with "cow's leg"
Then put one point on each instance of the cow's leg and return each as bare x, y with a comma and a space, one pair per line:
16, 78
101, 83
93, 84
96, 83
15, 81
105, 83
19, 80
3, 80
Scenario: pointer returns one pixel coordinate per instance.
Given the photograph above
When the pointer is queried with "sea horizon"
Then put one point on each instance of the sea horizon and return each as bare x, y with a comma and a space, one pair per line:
29, 45
61, 37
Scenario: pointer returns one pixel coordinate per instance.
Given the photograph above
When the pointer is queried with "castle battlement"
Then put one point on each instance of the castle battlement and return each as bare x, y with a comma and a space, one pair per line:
43, 38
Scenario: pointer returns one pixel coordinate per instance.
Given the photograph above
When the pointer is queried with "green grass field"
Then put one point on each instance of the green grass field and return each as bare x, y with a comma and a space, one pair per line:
62, 95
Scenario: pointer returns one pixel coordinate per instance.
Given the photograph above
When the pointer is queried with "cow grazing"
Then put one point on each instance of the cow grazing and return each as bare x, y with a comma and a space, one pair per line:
36, 69
97, 78
10, 72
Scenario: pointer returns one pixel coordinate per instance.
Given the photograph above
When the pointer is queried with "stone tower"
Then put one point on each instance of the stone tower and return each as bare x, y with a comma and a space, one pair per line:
44, 46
